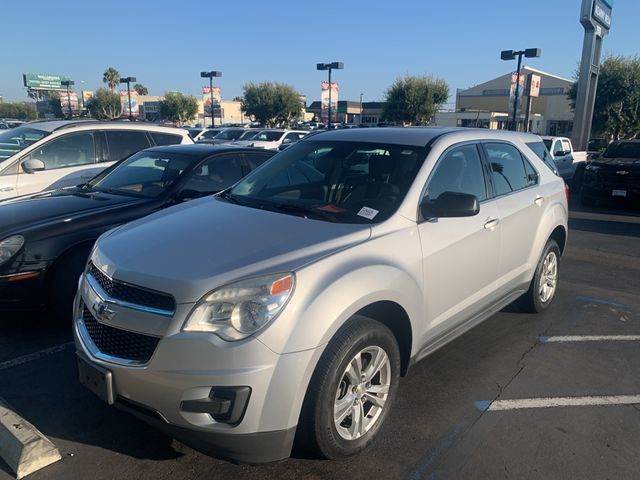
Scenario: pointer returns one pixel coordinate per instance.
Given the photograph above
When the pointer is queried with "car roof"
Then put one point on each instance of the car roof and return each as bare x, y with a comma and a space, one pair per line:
54, 125
414, 136
202, 150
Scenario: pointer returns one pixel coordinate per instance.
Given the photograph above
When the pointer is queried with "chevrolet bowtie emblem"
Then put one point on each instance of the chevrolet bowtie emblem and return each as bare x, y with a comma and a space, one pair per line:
622, 172
103, 312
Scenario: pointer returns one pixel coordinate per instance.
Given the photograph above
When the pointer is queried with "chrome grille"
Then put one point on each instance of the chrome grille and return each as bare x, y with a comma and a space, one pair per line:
118, 343
130, 293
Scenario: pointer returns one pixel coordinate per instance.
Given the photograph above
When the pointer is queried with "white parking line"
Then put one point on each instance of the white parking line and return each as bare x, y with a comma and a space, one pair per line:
34, 356
590, 338
553, 402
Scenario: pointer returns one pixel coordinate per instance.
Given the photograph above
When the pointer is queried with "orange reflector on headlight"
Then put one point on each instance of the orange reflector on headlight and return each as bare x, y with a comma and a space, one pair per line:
281, 286
22, 276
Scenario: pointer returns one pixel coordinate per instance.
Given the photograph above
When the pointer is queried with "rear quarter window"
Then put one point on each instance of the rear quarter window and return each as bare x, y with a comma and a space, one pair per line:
165, 138
540, 149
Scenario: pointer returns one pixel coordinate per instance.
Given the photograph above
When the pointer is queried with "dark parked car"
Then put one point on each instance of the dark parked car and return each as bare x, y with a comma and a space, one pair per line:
613, 175
45, 238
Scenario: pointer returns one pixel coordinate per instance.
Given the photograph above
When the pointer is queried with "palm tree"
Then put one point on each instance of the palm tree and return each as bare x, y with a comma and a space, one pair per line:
141, 89
111, 77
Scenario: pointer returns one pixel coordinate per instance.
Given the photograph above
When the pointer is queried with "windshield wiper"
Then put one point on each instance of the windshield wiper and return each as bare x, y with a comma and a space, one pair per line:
228, 197
303, 210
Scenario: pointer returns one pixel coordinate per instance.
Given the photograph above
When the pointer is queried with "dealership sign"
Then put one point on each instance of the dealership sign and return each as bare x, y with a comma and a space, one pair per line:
39, 81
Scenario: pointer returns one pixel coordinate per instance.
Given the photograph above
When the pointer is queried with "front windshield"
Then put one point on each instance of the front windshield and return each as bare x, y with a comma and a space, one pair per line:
623, 150
248, 135
229, 134
208, 134
346, 182
147, 174
268, 136
17, 139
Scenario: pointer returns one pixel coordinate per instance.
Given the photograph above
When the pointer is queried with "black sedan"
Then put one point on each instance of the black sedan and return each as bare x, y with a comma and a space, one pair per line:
613, 175
45, 238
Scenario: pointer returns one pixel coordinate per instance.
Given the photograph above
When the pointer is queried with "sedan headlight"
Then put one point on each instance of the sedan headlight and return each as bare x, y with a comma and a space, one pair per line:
9, 247
240, 309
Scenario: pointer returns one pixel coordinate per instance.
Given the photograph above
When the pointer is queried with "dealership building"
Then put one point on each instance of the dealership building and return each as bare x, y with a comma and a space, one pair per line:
487, 105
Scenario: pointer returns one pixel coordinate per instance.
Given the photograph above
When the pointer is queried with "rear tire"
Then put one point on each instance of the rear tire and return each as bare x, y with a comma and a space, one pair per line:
63, 284
544, 285
351, 391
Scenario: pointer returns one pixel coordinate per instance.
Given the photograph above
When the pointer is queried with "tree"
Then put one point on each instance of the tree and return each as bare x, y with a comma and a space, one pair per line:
271, 103
140, 89
104, 105
111, 77
616, 114
17, 110
414, 100
56, 107
178, 108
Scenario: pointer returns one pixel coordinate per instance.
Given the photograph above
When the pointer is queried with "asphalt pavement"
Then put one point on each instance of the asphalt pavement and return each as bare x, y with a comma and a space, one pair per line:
489, 405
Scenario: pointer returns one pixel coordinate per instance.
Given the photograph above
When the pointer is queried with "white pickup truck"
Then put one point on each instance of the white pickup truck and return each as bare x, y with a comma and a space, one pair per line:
567, 161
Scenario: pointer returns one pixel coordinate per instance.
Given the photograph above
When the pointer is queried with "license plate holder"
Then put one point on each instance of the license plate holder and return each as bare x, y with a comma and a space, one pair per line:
618, 193
97, 379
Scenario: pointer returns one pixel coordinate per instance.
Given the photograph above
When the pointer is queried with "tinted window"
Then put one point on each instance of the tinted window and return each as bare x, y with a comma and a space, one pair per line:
208, 135
253, 161
507, 168
460, 171
67, 151
215, 174
229, 134
623, 150
123, 143
17, 139
268, 136
540, 149
165, 138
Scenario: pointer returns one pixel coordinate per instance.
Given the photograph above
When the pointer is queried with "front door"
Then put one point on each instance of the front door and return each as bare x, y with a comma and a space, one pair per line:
460, 255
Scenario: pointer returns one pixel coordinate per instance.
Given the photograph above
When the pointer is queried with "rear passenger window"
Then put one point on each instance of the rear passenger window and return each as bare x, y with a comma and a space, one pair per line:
165, 138
541, 151
459, 171
507, 168
122, 143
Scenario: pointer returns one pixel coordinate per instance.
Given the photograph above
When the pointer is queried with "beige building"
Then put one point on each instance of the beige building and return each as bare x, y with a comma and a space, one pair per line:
552, 111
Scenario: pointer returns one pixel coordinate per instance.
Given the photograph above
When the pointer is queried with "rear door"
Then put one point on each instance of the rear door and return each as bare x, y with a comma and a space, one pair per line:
69, 159
517, 196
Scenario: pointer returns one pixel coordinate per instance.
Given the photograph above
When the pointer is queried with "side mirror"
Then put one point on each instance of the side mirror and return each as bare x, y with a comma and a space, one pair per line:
286, 141
450, 204
33, 165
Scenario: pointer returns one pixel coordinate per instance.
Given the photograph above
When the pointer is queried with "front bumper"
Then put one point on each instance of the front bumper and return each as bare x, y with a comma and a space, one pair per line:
186, 367
24, 291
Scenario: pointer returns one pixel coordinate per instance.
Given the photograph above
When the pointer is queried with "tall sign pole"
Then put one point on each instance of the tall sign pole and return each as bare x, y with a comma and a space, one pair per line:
595, 17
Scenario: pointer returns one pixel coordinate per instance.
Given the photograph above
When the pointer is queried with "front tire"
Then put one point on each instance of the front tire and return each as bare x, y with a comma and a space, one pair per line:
351, 390
543, 286
64, 283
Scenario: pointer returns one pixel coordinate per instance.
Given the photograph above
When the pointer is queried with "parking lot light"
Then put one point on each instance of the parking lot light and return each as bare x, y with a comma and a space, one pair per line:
68, 83
128, 81
210, 75
329, 66
511, 55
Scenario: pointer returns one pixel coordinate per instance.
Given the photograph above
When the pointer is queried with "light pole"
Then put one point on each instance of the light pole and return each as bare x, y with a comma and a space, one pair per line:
511, 55
68, 83
128, 81
360, 118
210, 76
330, 66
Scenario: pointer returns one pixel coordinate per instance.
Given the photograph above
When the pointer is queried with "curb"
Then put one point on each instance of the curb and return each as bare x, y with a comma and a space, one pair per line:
22, 446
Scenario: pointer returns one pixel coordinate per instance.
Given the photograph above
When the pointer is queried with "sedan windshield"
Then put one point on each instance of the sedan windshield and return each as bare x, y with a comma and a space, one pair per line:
146, 174
17, 139
347, 182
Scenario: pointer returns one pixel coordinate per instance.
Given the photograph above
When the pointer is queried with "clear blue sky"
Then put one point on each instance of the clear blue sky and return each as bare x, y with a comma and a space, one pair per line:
165, 44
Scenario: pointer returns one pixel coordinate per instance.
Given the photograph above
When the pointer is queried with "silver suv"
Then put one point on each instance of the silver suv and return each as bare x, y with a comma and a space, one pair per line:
291, 304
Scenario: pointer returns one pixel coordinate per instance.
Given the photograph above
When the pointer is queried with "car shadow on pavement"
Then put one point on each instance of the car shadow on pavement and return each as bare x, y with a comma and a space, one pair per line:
48, 394
607, 227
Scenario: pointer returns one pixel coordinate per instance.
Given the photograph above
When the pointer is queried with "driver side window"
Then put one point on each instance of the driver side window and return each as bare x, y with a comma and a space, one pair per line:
215, 175
459, 171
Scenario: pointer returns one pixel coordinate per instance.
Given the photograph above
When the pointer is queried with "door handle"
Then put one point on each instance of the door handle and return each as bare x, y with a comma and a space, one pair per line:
7, 189
491, 223
539, 200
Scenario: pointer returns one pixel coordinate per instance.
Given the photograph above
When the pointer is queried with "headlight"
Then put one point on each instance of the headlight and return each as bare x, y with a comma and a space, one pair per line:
9, 247
240, 309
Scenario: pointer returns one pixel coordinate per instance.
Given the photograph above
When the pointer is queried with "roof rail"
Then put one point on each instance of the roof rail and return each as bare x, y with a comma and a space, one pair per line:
74, 123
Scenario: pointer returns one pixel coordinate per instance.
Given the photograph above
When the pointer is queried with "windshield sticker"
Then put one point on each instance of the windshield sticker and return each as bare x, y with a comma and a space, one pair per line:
331, 208
367, 212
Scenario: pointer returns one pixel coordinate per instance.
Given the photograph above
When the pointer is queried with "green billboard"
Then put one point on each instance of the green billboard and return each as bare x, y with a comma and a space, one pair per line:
39, 81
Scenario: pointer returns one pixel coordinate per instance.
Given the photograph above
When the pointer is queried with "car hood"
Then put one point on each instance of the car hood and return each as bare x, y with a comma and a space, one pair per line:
191, 249
22, 213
